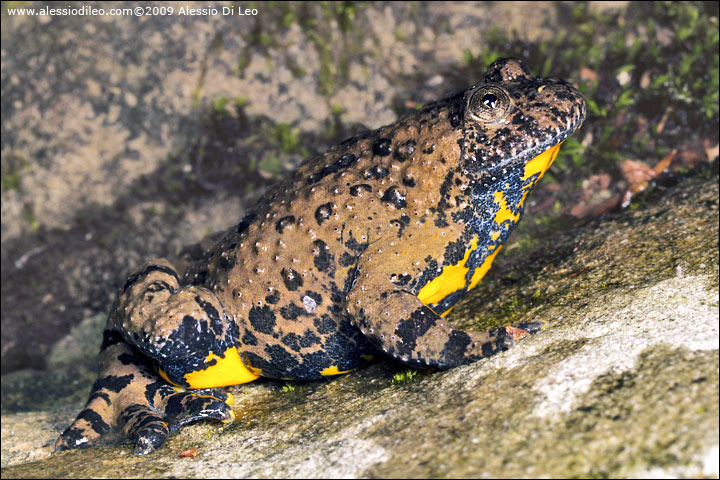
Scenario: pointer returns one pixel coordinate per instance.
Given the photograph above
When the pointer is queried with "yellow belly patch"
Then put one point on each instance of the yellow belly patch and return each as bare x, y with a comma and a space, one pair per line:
229, 370
450, 280
330, 371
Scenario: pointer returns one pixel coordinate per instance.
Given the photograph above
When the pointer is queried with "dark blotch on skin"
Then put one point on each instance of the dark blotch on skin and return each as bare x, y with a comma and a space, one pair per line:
309, 339
323, 212
291, 278
404, 151
245, 223
297, 342
110, 337
284, 222
210, 311
382, 147
262, 319
249, 339
395, 196
324, 260
227, 262
420, 321
146, 271
280, 359
354, 245
292, 311
200, 277
454, 351
130, 359
102, 395
95, 420
325, 324
113, 383
377, 172
346, 259
158, 286
273, 298
340, 164
292, 340
455, 119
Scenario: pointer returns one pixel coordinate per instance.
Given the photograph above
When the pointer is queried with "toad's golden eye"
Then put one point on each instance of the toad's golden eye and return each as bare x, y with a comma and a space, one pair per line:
488, 103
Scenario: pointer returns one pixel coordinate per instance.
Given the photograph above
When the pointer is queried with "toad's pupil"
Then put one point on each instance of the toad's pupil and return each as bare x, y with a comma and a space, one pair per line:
489, 100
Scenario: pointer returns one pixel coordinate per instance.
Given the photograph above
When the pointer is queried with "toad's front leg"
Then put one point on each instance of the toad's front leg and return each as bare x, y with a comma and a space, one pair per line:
396, 321
151, 329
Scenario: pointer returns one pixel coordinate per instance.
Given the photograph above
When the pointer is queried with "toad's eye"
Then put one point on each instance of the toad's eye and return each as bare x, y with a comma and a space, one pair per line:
488, 103
489, 100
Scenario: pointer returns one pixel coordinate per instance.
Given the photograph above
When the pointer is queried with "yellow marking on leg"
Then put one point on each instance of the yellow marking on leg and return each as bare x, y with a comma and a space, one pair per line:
165, 377
482, 269
522, 200
231, 419
450, 280
229, 370
330, 371
447, 312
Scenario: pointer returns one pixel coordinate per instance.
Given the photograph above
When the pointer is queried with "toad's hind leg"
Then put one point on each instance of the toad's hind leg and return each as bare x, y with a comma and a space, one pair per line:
151, 326
129, 397
185, 330
403, 327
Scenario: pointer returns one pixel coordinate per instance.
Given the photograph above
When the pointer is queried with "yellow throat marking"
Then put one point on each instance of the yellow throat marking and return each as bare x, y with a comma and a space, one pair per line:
541, 163
453, 277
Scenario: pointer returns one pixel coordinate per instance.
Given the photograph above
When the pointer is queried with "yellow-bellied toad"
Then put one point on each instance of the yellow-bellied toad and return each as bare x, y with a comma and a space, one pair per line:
362, 249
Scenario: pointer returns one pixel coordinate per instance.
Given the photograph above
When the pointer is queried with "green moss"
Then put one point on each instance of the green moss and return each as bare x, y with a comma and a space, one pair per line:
241, 102
404, 377
10, 181
28, 214
12, 165
270, 164
288, 139
219, 104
